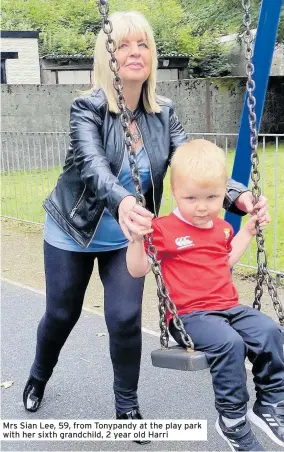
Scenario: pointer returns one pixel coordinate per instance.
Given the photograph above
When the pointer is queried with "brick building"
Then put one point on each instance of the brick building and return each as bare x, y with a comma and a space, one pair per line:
20, 57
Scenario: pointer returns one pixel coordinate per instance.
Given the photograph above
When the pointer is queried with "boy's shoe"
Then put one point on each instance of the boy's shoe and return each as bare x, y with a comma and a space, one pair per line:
133, 414
239, 437
270, 419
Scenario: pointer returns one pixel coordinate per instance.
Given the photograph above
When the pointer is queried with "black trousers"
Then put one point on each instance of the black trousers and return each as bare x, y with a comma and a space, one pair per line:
67, 276
228, 337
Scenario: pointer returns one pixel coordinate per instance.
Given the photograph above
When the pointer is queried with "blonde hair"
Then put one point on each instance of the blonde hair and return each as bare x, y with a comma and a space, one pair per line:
125, 24
201, 161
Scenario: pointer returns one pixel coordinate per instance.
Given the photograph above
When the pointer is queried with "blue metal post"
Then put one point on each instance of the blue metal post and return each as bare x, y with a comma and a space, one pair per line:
263, 52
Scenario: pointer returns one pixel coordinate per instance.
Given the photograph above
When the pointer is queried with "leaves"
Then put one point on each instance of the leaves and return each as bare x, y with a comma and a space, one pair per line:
62, 23
186, 27
69, 26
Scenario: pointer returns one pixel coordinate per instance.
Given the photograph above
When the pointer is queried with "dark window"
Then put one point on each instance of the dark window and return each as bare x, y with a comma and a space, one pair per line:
6, 56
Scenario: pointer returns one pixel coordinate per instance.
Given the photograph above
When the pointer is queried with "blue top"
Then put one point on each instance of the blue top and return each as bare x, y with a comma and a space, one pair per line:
109, 235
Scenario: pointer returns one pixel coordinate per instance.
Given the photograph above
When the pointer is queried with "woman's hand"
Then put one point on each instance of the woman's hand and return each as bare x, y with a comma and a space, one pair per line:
245, 203
135, 221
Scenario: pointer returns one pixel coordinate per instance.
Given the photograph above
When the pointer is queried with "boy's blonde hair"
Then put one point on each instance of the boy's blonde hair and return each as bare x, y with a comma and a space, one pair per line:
201, 161
125, 24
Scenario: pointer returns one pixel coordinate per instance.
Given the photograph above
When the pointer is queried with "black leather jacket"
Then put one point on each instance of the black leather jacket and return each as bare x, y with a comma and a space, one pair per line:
89, 180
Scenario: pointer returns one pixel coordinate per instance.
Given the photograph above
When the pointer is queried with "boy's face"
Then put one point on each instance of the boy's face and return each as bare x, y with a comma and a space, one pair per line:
198, 204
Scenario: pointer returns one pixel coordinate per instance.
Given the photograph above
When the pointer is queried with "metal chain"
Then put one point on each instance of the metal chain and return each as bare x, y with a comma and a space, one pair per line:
124, 113
165, 302
263, 272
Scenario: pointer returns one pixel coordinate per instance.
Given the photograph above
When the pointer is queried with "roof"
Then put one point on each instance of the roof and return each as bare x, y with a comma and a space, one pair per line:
76, 56
19, 34
79, 56
164, 61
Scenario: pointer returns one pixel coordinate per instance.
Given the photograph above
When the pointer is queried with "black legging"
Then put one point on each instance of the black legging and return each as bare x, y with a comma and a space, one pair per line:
67, 276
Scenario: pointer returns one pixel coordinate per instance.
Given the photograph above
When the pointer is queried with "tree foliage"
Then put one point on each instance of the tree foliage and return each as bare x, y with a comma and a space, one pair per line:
223, 16
69, 26
187, 27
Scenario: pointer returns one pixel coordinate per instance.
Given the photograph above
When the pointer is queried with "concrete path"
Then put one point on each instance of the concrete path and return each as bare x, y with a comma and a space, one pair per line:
81, 387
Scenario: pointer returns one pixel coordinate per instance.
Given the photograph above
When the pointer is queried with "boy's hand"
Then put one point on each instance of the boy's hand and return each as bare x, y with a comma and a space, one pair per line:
250, 225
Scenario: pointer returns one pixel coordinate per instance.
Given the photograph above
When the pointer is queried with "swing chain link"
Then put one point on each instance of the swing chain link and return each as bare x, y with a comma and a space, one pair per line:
263, 273
165, 302
124, 114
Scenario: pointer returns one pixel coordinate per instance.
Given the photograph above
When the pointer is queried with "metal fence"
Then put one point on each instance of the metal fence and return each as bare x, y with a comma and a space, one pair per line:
31, 163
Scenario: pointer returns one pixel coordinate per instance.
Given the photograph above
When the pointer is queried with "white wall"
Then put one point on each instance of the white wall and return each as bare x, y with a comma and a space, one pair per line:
165, 75
24, 69
73, 77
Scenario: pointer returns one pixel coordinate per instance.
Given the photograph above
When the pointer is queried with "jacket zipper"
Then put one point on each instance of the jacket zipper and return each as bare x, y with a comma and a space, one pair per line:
95, 228
104, 208
75, 208
155, 209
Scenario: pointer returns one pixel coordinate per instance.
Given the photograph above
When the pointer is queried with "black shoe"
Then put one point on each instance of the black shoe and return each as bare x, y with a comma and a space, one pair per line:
33, 394
270, 419
239, 437
133, 414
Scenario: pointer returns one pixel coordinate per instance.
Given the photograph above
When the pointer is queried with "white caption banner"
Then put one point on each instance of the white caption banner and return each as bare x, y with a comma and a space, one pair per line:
104, 430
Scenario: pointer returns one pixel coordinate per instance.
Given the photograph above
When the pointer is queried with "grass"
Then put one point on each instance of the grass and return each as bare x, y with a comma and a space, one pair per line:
23, 193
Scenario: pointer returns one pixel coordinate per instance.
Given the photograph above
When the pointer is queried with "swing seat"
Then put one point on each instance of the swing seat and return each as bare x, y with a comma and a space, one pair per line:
179, 358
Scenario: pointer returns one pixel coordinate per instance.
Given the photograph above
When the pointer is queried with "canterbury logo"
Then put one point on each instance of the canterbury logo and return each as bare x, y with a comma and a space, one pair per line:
184, 242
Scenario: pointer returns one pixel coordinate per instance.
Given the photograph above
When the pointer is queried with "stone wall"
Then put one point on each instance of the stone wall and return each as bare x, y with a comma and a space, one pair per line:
211, 105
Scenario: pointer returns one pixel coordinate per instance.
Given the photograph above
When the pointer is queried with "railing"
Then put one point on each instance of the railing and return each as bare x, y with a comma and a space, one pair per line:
31, 163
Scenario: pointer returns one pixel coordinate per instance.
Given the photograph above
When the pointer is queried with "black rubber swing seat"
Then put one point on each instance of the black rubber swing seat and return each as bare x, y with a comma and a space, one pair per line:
179, 358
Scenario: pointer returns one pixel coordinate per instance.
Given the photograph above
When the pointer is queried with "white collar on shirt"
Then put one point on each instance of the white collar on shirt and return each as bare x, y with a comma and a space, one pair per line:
179, 215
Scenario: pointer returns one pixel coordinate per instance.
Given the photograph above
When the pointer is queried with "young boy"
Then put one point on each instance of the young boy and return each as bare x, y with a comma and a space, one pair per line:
197, 250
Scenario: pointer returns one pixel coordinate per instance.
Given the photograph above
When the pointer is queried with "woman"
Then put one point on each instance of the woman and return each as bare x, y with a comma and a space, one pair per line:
92, 211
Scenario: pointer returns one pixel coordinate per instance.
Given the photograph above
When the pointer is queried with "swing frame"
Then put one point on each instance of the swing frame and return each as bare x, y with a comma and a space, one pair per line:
177, 357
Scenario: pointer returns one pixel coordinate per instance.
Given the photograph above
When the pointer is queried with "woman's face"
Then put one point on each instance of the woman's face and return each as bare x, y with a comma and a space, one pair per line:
134, 59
